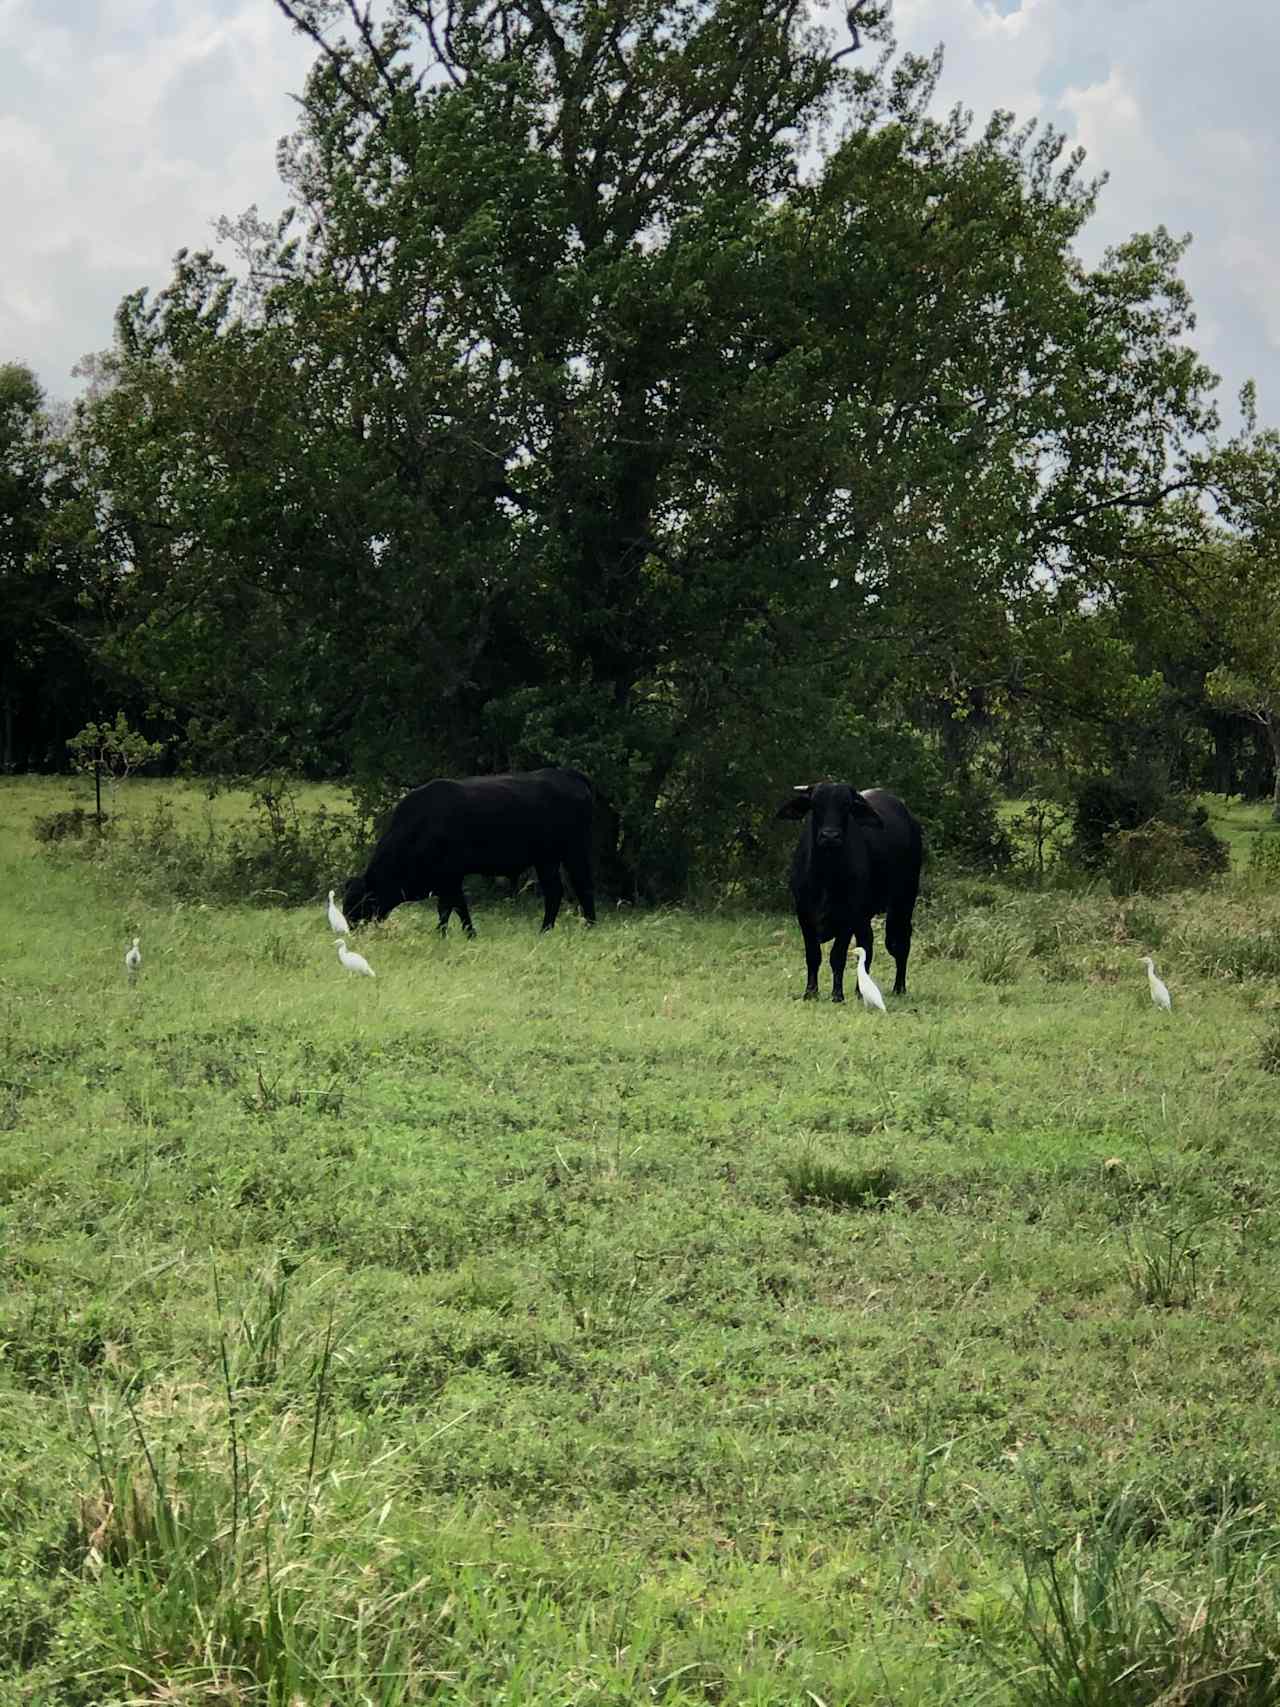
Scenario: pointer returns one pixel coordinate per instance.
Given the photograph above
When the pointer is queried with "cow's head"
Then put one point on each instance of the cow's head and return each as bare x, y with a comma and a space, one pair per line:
362, 904
836, 807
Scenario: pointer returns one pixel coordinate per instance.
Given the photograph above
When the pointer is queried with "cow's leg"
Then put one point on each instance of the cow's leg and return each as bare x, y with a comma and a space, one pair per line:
866, 938
463, 911
579, 870
839, 956
897, 939
812, 956
454, 901
552, 893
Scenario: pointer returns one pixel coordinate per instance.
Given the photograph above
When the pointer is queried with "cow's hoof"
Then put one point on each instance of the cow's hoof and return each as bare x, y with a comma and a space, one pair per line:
837, 997
811, 995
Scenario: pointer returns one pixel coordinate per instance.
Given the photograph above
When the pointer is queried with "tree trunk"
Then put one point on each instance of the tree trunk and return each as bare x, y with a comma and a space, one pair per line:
1272, 726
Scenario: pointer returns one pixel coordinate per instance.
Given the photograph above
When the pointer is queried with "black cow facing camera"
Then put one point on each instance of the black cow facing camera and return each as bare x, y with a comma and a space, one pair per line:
496, 826
858, 855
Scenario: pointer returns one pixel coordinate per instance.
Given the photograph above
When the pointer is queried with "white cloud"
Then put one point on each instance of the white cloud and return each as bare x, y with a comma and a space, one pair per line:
129, 126
1175, 104
127, 132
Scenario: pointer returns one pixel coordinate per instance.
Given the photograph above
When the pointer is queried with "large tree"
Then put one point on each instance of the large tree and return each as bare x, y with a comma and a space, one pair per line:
597, 398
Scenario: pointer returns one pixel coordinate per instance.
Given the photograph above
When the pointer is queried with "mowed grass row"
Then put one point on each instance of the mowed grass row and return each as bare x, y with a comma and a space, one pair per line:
586, 1318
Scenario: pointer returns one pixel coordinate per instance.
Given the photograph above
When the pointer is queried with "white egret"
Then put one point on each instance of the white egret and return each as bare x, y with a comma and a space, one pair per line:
337, 919
354, 962
868, 989
1159, 989
133, 960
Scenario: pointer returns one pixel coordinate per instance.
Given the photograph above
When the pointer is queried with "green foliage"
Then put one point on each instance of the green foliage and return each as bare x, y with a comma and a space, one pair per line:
1160, 855
279, 855
47, 669
998, 953
1105, 804
1133, 829
605, 412
1268, 1057
70, 825
113, 750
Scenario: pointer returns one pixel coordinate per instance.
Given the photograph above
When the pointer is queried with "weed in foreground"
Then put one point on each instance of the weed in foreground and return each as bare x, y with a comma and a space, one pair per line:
811, 1181
1163, 1266
1099, 1628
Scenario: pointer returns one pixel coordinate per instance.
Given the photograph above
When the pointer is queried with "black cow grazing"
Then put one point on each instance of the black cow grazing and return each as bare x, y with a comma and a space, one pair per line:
493, 825
858, 855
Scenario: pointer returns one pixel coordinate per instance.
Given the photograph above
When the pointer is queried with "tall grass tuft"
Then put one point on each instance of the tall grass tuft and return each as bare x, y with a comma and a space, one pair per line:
1163, 1267
1098, 1628
812, 1181
998, 954
227, 1561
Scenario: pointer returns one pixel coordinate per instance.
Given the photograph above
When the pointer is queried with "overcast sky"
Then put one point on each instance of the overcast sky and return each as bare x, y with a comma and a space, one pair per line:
128, 126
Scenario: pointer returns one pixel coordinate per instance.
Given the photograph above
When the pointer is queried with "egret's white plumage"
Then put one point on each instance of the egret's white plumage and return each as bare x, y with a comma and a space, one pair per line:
868, 989
354, 962
1159, 989
337, 919
133, 960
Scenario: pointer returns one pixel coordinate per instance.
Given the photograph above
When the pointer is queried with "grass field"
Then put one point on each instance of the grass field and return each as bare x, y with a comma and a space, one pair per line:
585, 1319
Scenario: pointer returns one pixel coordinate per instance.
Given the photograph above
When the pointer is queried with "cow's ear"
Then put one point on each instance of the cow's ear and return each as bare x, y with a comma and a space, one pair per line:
797, 802
862, 811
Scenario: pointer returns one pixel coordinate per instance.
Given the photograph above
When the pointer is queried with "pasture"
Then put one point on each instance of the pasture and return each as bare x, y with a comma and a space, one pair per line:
586, 1319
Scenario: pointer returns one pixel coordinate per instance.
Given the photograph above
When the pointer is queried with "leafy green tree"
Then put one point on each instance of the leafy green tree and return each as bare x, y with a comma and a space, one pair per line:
1246, 625
113, 750
574, 416
22, 509
48, 677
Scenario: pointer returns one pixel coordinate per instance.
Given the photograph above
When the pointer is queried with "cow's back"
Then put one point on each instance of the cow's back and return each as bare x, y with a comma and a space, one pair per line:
492, 824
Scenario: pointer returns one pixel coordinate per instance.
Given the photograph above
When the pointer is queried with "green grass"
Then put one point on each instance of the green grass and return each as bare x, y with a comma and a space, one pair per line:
1240, 823
193, 804
588, 1319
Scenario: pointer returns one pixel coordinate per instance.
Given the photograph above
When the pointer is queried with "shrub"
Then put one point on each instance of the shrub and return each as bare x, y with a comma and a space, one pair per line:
1133, 830
1159, 855
1106, 804
281, 856
73, 825
1037, 835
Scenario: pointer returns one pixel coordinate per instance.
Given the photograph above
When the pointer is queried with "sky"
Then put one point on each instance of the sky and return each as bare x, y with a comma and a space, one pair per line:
127, 127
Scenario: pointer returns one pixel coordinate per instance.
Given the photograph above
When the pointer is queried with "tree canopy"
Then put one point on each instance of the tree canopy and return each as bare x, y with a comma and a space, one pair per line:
657, 387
